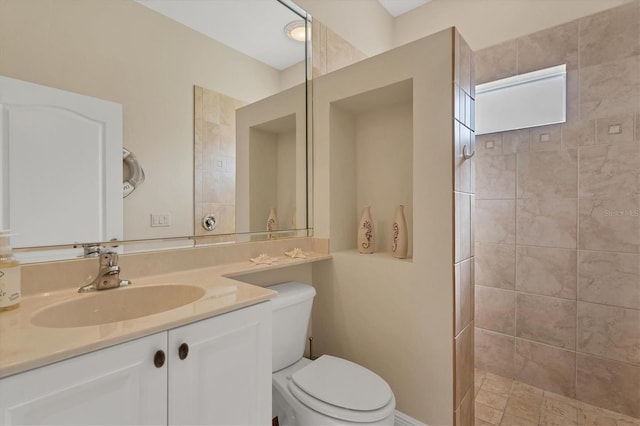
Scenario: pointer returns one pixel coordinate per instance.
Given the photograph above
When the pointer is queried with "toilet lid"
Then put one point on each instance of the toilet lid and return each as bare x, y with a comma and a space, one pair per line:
344, 384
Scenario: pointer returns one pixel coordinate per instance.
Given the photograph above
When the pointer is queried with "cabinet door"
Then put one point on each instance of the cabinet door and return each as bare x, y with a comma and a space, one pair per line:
115, 386
225, 378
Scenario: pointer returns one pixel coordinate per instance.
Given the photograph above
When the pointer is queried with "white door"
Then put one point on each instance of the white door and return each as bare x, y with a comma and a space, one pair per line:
119, 385
225, 378
61, 156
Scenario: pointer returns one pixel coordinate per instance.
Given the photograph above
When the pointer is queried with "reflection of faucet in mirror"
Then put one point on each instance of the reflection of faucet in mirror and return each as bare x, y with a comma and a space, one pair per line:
108, 274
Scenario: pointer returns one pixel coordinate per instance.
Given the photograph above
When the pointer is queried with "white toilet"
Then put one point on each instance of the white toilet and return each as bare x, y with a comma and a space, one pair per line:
327, 391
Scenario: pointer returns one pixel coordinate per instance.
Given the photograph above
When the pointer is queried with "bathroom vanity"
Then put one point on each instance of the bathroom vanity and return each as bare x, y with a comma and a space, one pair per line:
214, 371
205, 362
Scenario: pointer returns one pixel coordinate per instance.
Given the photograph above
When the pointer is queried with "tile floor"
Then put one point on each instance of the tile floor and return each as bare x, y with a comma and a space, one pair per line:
504, 402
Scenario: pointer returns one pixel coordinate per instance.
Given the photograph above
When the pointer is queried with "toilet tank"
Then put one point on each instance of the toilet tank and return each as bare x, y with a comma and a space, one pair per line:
291, 312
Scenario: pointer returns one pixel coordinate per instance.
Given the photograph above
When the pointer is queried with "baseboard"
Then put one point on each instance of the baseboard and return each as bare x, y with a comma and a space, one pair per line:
402, 419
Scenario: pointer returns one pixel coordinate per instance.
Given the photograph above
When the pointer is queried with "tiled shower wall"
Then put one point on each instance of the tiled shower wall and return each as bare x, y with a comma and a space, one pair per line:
214, 160
464, 189
558, 219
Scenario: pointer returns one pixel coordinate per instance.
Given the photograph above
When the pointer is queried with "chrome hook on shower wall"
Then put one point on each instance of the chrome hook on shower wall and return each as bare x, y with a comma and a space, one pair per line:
466, 154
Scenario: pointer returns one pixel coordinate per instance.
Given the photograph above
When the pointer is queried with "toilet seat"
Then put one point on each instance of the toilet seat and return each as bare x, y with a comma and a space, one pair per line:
341, 389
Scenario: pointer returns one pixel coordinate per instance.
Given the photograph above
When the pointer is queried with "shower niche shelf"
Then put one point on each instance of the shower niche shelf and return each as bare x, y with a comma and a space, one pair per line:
371, 137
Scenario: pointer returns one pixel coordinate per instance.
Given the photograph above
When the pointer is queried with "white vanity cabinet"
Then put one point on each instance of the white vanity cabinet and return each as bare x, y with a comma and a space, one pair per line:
223, 378
116, 385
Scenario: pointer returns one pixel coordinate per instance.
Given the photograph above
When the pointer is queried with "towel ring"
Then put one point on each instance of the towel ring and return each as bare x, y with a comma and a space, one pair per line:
135, 171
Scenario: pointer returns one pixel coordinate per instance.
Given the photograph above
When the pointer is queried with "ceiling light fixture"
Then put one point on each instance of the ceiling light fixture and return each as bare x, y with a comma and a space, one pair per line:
296, 30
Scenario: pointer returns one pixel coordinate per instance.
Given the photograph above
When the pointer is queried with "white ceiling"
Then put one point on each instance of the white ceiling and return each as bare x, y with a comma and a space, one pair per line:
235, 24
398, 7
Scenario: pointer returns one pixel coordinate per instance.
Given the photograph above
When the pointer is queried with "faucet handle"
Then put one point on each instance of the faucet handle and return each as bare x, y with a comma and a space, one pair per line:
108, 258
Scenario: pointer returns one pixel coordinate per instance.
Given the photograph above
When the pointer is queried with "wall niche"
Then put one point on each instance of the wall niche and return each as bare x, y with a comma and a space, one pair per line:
372, 143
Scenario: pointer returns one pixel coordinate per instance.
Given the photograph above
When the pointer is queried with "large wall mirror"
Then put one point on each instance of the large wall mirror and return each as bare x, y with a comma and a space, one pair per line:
153, 123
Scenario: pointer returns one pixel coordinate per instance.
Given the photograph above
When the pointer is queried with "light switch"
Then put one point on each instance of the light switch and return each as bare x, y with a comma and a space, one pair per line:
489, 145
544, 137
160, 219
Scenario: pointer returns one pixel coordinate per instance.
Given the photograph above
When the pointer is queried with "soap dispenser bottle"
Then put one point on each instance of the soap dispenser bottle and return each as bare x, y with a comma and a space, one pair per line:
9, 275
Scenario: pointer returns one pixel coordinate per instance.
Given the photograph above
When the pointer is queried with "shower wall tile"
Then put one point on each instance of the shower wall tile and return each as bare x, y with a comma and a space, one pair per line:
464, 294
548, 174
210, 143
498, 177
610, 171
610, 225
495, 265
516, 141
463, 60
609, 278
609, 332
547, 271
464, 363
546, 222
546, 367
489, 144
611, 88
609, 384
546, 138
472, 243
463, 226
465, 412
340, 53
610, 35
618, 129
496, 62
463, 175
553, 46
319, 48
495, 221
546, 319
211, 106
495, 309
573, 95
494, 352
578, 133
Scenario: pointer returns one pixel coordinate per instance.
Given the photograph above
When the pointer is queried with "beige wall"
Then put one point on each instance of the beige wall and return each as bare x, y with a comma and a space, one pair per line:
393, 316
558, 223
126, 53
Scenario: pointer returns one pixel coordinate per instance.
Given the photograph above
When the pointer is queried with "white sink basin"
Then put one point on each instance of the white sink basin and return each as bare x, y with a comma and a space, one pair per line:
115, 305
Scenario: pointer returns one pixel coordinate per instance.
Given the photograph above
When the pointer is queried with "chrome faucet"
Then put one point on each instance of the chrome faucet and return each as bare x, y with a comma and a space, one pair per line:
108, 274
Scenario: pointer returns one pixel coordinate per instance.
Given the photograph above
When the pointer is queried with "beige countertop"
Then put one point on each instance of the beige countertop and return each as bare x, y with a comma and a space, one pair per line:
24, 346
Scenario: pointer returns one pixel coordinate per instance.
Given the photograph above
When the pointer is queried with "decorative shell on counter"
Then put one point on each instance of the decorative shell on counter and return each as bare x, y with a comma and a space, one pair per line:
296, 253
263, 259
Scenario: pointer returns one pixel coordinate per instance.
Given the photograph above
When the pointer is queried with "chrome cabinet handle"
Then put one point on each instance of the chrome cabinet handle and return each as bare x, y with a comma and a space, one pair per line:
466, 154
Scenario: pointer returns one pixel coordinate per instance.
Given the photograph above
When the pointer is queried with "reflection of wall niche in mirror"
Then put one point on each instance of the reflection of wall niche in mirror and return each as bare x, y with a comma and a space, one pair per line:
271, 152
214, 153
